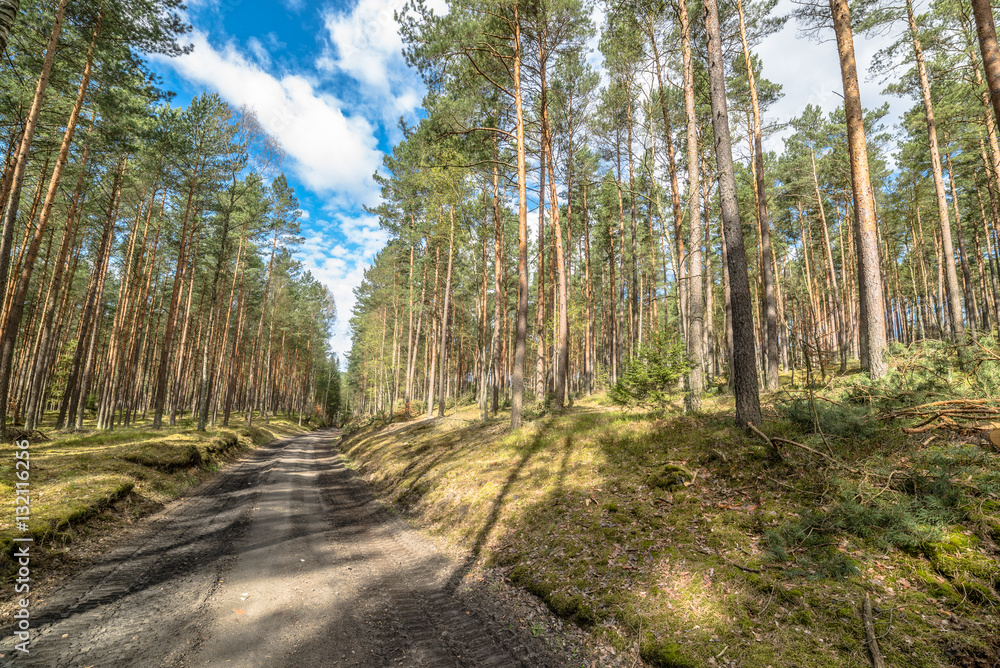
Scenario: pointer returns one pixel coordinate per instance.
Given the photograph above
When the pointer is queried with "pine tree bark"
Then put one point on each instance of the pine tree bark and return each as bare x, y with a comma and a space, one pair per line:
590, 345
435, 330
13, 176
695, 316
540, 306
162, 377
208, 357
8, 14
987, 33
54, 293
69, 402
498, 305
970, 298
744, 355
760, 187
835, 283
869, 277
517, 375
562, 294
675, 193
92, 326
948, 250
408, 383
13, 321
11, 286
444, 314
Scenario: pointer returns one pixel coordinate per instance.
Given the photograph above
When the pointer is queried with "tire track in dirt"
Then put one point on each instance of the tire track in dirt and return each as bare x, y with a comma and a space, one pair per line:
284, 559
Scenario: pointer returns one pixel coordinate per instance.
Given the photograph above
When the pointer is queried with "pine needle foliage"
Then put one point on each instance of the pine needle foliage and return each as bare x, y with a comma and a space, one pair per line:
652, 374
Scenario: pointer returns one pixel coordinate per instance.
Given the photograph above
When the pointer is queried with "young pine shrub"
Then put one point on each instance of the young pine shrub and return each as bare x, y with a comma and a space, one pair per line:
652, 374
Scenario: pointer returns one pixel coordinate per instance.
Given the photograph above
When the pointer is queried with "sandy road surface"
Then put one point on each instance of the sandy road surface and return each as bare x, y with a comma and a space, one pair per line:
285, 559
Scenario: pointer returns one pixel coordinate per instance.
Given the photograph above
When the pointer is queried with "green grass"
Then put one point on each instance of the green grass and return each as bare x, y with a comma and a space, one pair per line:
74, 476
754, 560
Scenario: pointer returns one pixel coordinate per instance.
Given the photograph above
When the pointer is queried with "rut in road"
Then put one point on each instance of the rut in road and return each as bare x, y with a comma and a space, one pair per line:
284, 559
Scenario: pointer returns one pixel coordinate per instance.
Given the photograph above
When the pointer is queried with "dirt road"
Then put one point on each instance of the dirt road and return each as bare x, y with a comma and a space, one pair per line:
285, 559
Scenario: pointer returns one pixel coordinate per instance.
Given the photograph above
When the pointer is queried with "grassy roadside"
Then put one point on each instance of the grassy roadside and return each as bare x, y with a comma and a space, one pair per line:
678, 539
77, 478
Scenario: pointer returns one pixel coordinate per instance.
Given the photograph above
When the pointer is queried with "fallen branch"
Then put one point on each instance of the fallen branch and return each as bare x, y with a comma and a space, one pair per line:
834, 460
774, 440
713, 553
870, 640
954, 414
766, 438
746, 569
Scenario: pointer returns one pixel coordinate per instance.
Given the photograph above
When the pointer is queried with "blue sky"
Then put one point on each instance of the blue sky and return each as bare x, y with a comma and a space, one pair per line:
328, 80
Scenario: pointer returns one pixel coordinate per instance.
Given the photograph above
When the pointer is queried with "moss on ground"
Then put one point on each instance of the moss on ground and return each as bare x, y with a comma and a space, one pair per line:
683, 541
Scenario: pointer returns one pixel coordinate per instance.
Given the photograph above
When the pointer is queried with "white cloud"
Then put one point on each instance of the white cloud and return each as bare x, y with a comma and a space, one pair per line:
364, 232
365, 44
331, 152
340, 265
367, 41
259, 52
809, 72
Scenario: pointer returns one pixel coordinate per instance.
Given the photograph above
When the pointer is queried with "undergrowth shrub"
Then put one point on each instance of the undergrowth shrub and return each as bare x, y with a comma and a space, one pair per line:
810, 416
899, 388
928, 371
911, 509
985, 367
652, 374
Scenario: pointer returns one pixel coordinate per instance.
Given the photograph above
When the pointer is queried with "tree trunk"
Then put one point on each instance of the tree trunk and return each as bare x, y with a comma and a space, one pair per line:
839, 306
675, 194
434, 331
69, 234
8, 13
562, 301
13, 321
10, 183
693, 291
986, 30
498, 305
540, 285
444, 315
517, 376
252, 393
951, 275
590, 353
744, 355
94, 326
970, 300
869, 277
760, 187
408, 383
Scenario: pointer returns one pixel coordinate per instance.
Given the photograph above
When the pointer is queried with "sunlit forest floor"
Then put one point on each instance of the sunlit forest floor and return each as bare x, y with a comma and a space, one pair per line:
90, 480
690, 543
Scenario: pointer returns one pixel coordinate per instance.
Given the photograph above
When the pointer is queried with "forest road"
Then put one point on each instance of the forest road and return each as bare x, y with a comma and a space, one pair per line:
285, 559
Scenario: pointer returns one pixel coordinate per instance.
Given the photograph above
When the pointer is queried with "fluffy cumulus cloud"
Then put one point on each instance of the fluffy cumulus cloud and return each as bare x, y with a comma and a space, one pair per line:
337, 253
331, 152
364, 44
